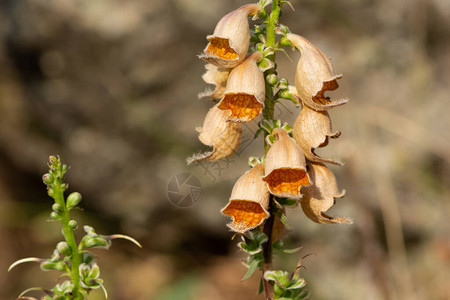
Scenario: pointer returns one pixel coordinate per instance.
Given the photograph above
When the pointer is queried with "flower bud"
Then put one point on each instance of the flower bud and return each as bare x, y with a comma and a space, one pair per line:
272, 79
47, 178
312, 129
228, 45
63, 248
73, 200
319, 196
245, 91
285, 166
53, 265
249, 201
56, 207
73, 224
224, 137
54, 215
90, 242
314, 75
218, 77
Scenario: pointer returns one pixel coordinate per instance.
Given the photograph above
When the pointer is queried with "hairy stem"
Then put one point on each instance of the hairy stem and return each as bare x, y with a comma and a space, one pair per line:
268, 114
75, 258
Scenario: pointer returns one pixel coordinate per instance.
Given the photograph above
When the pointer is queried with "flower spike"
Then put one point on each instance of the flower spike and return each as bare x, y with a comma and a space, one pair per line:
319, 196
285, 166
314, 75
249, 201
229, 43
245, 91
224, 137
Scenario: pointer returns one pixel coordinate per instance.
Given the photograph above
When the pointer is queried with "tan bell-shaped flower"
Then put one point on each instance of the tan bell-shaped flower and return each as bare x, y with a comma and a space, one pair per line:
312, 129
218, 77
319, 196
224, 137
285, 166
245, 91
314, 75
228, 45
249, 201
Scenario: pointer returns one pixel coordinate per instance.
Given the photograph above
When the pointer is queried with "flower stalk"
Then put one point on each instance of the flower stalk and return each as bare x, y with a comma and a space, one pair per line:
268, 114
58, 187
74, 260
289, 173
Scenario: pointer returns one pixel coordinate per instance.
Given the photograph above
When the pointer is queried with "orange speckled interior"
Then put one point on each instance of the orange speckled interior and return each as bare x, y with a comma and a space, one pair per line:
221, 48
245, 212
243, 107
286, 181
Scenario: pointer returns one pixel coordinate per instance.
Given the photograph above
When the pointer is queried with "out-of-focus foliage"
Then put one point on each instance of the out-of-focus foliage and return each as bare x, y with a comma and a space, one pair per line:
111, 86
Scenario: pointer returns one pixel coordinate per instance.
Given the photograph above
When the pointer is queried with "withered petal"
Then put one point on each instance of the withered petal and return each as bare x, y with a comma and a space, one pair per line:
320, 196
217, 77
245, 91
224, 137
229, 43
285, 170
314, 75
249, 201
312, 129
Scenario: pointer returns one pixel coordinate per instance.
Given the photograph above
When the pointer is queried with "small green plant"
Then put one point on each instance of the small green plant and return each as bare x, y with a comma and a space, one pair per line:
74, 260
241, 64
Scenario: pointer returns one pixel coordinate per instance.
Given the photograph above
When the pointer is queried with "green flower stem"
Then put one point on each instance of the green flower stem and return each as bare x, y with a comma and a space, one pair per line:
272, 21
268, 114
75, 258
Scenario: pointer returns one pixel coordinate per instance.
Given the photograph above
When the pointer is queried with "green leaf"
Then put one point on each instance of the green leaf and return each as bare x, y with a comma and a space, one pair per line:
297, 285
261, 286
285, 221
252, 268
257, 133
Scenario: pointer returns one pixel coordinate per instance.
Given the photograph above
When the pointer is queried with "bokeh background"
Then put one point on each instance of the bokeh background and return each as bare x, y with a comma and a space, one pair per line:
111, 86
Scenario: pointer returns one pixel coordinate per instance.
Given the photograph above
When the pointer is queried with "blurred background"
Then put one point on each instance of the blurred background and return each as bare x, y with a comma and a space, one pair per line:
111, 86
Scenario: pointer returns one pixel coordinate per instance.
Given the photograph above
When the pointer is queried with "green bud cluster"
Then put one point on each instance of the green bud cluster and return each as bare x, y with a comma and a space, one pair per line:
71, 258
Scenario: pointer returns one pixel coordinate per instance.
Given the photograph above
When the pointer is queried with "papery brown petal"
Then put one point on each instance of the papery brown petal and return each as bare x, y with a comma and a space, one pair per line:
229, 43
314, 75
216, 132
312, 129
218, 77
320, 195
249, 201
285, 166
245, 91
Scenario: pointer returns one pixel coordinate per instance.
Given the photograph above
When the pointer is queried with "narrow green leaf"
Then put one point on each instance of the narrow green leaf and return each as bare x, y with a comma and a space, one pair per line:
252, 268
261, 286
24, 260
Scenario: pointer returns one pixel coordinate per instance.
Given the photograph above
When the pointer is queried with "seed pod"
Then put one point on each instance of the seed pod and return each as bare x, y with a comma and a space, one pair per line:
312, 129
314, 75
245, 91
228, 45
249, 201
319, 196
218, 77
285, 166
224, 137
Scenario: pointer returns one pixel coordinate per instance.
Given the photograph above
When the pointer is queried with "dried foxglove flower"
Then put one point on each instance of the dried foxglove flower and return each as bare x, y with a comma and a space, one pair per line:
218, 77
223, 136
314, 75
319, 196
245, 92
228, 45
249, 201
285, 166
312, 129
